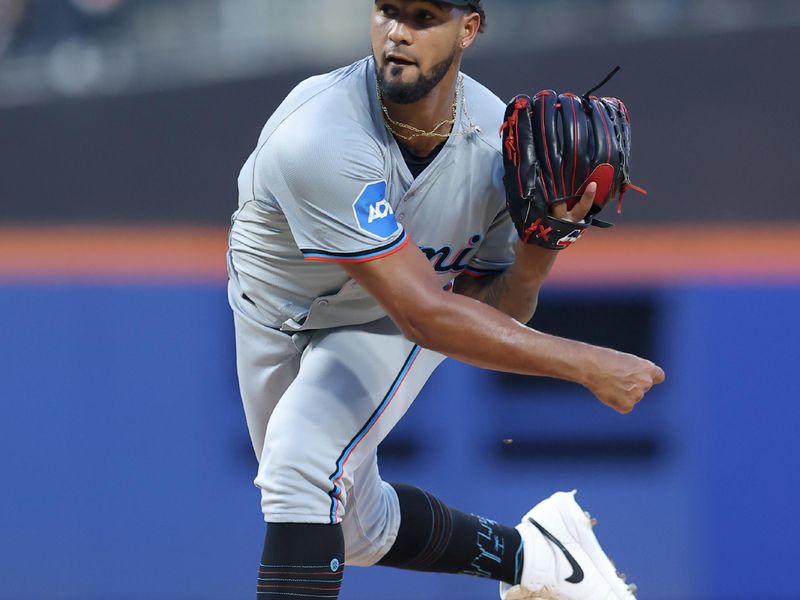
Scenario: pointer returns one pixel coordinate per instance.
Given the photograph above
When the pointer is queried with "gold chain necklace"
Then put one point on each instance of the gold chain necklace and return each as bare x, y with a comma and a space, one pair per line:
433, 133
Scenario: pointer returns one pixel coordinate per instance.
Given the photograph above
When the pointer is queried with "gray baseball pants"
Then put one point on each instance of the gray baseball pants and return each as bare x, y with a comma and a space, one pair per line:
317, 405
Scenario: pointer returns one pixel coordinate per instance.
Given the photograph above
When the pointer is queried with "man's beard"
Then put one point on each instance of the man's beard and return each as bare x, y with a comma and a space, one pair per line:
408, 93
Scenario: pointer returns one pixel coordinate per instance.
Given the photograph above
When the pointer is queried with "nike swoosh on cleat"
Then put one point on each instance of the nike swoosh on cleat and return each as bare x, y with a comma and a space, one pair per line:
577, 572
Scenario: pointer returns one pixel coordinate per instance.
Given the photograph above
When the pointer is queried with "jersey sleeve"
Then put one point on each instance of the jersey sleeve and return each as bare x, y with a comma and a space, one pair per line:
496, 252
332, 190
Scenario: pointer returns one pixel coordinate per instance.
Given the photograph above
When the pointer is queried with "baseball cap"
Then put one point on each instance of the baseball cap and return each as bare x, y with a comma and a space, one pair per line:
460, 2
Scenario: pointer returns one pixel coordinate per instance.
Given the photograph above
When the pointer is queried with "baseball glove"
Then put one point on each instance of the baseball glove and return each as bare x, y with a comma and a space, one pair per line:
554, 145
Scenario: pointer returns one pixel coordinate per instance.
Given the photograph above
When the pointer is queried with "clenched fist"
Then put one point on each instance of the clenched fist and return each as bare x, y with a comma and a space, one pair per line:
621, 380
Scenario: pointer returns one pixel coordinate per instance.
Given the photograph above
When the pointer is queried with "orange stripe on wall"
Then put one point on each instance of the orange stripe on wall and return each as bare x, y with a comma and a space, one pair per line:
113, 254
672, 255
622, 256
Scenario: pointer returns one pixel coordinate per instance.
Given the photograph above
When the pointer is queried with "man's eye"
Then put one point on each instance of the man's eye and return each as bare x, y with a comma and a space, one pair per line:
424, 15
388, 10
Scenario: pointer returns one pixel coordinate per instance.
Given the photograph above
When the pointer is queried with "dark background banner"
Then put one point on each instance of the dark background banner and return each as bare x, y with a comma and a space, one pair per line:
714, 124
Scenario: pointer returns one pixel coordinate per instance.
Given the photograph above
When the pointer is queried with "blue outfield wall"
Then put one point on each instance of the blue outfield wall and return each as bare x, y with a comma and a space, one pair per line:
127, 471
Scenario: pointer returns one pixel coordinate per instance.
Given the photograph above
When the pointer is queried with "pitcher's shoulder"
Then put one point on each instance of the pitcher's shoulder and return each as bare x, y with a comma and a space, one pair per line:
340, 96
325, 112
485, 109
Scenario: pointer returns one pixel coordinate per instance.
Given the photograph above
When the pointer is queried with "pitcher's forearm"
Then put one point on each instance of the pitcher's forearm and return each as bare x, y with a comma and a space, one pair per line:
472, 332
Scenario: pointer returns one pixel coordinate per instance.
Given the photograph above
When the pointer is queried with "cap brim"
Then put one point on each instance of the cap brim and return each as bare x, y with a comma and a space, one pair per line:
459, 2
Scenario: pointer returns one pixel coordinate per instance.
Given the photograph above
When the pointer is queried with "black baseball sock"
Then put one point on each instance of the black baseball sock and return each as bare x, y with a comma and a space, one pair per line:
435, 537
301, 560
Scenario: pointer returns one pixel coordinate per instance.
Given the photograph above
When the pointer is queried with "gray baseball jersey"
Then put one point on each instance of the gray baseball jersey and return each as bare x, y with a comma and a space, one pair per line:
327, 183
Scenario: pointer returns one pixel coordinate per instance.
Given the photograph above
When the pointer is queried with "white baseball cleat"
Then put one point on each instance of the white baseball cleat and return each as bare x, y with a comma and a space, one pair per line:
562, 558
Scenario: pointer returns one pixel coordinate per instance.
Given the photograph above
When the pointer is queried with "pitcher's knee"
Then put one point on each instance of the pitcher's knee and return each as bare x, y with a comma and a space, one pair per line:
297, 486
370, 527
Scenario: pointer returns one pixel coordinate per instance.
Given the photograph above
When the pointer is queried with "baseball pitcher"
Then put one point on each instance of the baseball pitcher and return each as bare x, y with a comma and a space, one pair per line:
383, 225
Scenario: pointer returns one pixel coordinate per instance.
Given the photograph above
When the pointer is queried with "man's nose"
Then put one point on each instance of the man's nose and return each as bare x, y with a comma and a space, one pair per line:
400, 33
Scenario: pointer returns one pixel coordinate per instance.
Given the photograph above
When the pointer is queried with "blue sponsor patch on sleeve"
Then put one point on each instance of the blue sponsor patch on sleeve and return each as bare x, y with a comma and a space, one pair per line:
373, 212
